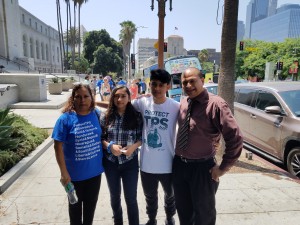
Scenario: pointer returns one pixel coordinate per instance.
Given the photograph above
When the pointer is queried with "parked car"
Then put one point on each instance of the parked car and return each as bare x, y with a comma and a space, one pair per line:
211, 87
268, 114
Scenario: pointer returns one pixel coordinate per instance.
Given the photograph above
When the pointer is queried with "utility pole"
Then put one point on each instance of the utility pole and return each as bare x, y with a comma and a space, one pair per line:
161, 27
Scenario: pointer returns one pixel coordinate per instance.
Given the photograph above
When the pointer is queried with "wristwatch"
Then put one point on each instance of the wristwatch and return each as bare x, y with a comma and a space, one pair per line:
109, 146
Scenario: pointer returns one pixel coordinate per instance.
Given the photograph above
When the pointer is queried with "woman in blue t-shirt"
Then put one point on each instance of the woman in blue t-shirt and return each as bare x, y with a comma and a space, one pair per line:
122, 135
78, 149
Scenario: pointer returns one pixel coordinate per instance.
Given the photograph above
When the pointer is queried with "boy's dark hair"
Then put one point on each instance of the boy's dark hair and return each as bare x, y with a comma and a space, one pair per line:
161, 75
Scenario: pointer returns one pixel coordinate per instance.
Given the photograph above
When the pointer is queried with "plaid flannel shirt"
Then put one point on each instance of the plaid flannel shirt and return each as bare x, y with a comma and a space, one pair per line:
121, 137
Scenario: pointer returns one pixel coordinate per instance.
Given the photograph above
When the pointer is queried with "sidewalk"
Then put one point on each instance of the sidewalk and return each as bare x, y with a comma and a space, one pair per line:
37, 196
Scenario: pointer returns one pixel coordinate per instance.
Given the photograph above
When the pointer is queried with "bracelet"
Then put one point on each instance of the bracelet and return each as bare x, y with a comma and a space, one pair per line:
109, 146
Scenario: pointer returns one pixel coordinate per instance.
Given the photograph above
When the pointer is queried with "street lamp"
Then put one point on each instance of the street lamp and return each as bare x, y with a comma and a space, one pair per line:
161, 16
133, 47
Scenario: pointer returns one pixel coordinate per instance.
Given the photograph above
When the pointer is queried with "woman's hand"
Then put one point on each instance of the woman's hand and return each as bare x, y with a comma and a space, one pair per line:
116, 150
65, 178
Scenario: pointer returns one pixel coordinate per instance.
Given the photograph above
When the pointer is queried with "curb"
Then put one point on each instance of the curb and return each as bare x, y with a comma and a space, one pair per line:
11, 176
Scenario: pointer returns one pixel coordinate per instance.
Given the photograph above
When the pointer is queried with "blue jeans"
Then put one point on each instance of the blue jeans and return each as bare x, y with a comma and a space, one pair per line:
150, 186
195, 192
128, 173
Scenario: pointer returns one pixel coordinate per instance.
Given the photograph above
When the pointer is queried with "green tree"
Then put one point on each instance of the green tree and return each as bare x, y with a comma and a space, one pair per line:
94, 39
80, 3
126, 35
81, 64
203, 55
106, 60
228, 49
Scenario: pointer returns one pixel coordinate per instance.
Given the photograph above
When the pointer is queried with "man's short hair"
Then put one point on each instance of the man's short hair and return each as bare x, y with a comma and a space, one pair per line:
161, 75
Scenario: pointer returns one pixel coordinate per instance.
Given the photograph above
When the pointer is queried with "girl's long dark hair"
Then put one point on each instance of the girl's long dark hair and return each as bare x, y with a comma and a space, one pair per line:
131, 116
69, 106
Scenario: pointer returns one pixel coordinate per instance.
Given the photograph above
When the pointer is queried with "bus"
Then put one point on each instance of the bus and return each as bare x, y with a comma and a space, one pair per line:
175, 66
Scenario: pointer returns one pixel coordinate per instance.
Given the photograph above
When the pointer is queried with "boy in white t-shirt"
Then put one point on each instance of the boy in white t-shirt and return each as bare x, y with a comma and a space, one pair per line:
159, 136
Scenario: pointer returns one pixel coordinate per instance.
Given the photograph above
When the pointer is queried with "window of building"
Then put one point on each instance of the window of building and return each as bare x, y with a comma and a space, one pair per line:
36, 25
43, 51
47, 53
31, 48
30, 22
37, 48
25, 46
41, 28
57, 52
23, 18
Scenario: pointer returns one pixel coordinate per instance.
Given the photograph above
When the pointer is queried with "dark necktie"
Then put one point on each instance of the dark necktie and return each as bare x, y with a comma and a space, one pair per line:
183, 133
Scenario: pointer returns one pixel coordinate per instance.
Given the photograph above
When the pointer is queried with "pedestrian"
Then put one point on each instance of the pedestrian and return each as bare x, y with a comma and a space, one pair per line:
99, 83
87, 79
93, 84
203, 117
120, 81
105, 89
160, 117
133, 90
142, 87
121, 139
78, 151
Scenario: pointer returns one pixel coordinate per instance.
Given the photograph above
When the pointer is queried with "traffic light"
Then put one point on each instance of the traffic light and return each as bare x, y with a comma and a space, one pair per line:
165, 46
241, 45
279, 65
132, 59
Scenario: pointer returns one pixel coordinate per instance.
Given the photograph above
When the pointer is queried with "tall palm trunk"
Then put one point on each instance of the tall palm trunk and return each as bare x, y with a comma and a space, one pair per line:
59, 27
228, 49
67, 54
79, 32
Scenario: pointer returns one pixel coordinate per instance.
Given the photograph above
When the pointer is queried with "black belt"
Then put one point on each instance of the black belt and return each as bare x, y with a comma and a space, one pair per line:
185, 160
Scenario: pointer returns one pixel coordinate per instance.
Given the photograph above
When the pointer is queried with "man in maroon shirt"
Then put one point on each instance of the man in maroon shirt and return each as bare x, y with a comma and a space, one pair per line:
195, 171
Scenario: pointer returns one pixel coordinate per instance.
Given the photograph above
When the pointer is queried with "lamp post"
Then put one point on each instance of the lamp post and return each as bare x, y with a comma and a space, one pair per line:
133, 47
161, 16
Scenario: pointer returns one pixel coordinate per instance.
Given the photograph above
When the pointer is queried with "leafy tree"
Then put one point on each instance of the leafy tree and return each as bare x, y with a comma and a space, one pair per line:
81, 64
106, 60
92, 40
74, 39
203, 55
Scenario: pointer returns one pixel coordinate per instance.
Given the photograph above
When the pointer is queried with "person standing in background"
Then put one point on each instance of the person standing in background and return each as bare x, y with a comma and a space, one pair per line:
203, 119
105, 89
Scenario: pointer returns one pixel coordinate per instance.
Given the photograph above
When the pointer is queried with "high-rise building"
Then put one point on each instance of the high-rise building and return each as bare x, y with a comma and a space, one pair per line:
284, 24
240, 31
145, 50
258, 10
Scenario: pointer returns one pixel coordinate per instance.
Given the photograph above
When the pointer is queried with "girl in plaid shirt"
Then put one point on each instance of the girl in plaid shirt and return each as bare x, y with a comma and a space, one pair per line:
122, 135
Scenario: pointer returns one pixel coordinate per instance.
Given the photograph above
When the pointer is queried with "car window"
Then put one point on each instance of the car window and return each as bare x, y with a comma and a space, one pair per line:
245, 96
265, 99
292, 99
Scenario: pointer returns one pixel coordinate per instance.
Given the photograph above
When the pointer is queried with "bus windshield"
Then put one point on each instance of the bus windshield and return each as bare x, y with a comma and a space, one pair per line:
175, 66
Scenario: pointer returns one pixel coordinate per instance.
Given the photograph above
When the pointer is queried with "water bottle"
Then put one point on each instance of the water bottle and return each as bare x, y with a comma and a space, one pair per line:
71, 193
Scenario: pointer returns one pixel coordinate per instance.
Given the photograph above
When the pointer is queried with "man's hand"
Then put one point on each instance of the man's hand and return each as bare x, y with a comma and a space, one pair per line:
216, 173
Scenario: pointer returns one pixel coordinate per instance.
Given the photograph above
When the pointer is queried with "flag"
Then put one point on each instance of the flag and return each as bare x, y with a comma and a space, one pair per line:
176, 28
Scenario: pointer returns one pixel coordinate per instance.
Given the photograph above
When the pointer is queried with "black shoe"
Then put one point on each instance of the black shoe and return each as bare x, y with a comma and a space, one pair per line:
170, 221
151, 222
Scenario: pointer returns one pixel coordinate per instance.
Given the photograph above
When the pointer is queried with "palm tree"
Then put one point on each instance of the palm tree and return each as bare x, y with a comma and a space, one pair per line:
203, 55
59, 27
68, 21
127, 33
79, 2
228, 49
73, 39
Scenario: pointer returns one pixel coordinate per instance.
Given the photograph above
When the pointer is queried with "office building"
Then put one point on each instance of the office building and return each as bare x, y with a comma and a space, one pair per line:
284, 24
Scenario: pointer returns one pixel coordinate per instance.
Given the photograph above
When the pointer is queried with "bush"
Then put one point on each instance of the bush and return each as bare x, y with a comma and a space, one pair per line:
26, 136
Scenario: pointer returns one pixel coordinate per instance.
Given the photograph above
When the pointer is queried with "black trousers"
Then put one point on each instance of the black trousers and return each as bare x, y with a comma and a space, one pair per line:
82, 213
150, 187
194, 192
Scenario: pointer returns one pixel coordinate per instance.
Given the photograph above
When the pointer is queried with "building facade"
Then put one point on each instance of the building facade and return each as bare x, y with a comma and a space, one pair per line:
284, 24
28, 40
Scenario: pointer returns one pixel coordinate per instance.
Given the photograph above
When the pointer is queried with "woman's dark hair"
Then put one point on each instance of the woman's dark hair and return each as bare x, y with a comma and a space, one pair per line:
69, 106
131, 116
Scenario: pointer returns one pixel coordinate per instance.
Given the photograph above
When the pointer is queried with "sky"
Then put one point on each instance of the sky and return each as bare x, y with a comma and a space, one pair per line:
199, 22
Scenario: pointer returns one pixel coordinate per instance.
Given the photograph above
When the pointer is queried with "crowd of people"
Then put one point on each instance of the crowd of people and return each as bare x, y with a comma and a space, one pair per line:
89, 142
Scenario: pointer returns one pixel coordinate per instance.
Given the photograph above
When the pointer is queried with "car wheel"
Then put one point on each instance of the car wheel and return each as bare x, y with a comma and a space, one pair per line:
293, 161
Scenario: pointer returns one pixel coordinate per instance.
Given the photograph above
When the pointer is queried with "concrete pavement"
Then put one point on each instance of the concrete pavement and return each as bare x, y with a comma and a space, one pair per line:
37, 197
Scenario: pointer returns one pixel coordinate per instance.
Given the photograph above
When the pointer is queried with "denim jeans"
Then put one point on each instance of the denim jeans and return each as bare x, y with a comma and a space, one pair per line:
82, 213
150, 186
195, 192
128, 173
